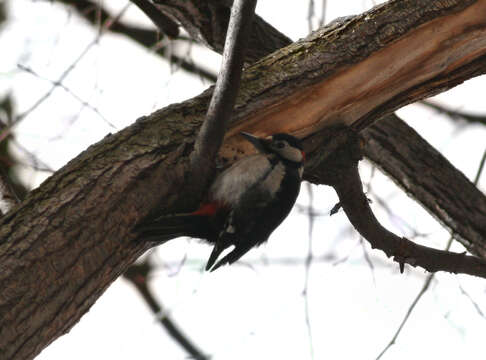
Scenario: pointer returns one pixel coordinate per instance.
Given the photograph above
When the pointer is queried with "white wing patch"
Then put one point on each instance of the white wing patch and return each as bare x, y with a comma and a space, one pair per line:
290, 153
274, 179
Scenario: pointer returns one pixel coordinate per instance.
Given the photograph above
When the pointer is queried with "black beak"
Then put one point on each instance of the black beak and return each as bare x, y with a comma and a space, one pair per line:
260, 144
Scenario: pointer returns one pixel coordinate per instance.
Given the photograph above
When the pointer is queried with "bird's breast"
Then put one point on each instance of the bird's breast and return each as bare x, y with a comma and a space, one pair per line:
243, 175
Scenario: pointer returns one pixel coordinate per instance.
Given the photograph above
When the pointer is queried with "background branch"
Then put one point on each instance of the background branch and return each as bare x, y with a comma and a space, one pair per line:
163, 23
138, 275
94, 12
455, 114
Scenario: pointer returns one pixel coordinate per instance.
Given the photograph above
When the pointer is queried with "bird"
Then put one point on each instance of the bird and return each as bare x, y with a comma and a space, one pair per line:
244, 204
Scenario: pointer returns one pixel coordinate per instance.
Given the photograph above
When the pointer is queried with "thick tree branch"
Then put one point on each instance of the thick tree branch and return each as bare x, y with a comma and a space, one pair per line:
425, 174
347, 183
207, 21
63, 245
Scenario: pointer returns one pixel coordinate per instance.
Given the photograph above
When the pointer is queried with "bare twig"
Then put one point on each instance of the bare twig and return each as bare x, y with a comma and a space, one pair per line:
322, 20
308, 262
422, 291
347, 183
69, 91
474, 303
480, 169
138, 274
35, 162
431, 276
165, 24
368, 259
455, 114
94, 12
212, 131
310, 15
56, 83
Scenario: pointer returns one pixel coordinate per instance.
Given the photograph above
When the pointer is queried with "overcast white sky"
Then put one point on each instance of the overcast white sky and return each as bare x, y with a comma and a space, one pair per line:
242, 311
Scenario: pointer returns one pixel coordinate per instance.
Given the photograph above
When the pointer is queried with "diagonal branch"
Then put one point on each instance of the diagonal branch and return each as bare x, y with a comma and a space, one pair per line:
425, 174
212, 131
164, 23
138, 275
207, 21
456, 114
347, 183
93, 12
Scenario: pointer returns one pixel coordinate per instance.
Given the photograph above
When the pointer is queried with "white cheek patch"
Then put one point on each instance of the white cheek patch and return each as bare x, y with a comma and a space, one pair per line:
292, 154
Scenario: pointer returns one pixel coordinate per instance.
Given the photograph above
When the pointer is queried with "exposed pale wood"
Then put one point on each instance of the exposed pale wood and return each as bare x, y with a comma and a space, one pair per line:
387, 60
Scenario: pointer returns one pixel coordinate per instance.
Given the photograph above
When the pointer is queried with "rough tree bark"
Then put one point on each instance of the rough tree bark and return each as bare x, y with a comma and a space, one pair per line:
63, 246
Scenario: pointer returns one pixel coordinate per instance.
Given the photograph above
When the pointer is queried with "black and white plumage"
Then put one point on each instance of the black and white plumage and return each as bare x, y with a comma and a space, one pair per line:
245, 203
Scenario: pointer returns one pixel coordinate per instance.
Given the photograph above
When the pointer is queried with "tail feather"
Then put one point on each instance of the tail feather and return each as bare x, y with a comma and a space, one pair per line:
233, 256
168, 227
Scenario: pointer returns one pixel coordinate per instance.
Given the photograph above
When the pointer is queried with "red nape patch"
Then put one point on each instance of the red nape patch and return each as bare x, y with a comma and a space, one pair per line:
208, 209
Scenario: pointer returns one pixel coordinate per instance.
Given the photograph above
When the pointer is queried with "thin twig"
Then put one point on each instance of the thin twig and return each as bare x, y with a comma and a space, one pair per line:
322, 20
138, 274
422, 291
6, 131
368, 259
36, 163
454, 114
69, 91
480, 169
308, 262
145, 37
212, 131
431, 276
310, 15
474, 303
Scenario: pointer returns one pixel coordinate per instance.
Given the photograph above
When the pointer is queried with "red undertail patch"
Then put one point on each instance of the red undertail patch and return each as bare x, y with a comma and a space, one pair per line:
208, 209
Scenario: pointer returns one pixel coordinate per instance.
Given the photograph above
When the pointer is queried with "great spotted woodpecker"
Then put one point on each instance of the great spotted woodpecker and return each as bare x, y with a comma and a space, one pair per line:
245, 203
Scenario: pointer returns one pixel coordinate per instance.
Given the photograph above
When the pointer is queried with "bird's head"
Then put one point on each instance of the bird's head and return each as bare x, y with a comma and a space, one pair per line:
286, 146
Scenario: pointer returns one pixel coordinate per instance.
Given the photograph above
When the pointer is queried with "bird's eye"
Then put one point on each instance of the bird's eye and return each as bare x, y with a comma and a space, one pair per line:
279, 145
